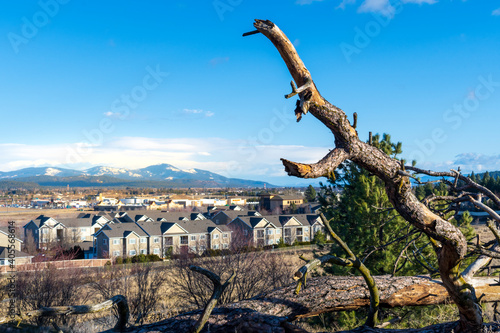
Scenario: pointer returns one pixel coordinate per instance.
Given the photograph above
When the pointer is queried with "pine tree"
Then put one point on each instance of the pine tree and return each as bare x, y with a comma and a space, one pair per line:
363, 215
310, 194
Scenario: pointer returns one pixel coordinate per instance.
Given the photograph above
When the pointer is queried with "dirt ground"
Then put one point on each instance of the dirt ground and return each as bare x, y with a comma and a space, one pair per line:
22, 216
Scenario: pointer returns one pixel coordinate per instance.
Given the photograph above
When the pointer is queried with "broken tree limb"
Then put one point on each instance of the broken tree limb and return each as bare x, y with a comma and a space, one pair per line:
280, 307
119, 301
398, 187
218, 290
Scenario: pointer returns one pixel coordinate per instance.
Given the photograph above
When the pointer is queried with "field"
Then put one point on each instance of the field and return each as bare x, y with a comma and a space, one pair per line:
22, 216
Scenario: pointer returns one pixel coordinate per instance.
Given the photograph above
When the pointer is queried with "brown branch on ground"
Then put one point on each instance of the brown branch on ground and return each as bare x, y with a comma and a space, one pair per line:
119, 301
218, 290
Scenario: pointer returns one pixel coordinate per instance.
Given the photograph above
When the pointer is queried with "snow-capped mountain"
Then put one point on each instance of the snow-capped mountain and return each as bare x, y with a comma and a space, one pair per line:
40, 171
167, 174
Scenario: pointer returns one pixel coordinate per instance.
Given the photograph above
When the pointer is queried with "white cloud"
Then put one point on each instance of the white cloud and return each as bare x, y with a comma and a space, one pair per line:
380, 6
344, 3
198, 112
383, 7
496, 12
113, 114
231, 158
195, 111
467, 162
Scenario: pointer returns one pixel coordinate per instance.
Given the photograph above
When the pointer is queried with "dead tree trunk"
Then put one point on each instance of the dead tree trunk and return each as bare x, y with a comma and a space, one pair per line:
452, 245
279, 308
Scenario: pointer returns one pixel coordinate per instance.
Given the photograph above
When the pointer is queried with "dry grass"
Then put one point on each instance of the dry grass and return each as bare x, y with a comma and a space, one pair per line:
22, 216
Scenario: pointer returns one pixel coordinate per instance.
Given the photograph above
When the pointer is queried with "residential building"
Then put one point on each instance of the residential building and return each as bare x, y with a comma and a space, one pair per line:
273, 203
7, 238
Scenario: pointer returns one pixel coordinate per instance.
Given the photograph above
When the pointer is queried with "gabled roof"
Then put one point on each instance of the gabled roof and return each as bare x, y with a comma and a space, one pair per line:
307, 219
286, 197
120, 230
154, 228
202, 226
153, 215
6, 231
4, 254
253, 221
43, 220
77, 222
281, 220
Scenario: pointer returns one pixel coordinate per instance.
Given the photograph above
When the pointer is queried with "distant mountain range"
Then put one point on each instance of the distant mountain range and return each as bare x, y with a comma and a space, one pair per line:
162, 175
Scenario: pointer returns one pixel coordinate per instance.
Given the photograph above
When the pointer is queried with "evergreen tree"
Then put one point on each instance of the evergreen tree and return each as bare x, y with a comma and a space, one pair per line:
310, 194
364, 217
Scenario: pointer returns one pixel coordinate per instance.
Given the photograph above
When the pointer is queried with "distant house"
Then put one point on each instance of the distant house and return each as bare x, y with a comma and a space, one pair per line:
82, 228
256, 229
44, 230
120, 239
268, 230
6, 238
272, 202
160, 238
18, 257
226, 216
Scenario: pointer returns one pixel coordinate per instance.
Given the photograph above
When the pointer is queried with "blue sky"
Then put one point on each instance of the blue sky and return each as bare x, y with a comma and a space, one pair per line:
131, 84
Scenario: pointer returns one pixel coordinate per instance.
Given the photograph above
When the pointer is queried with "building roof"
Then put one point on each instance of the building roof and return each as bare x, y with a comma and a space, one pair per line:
76, 222
307, 219
252, 221
120, 230
155, 215
4, 253
6, 231
286, 197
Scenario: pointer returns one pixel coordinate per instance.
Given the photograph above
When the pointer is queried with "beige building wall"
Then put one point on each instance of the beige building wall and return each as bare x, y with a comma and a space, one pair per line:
4, 241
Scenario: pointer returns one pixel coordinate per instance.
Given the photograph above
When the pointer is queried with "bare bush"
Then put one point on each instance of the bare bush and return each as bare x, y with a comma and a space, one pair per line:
49, 287
257, 272
141, 284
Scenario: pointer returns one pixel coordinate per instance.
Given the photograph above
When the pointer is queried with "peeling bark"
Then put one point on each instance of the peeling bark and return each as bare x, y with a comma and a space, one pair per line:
276, 310
349, 146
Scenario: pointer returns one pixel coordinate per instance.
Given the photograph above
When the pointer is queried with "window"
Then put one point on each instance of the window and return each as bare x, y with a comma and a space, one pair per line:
132, 252
75, 230
193, 238
104, 241
215, 236
245, 232
116, 253
202, 236
306, 229
84, 229
216, 246
156, 251
184, 240
131, 241
45, 231
82, 238
143, 240
270, 231
156, 239
260, 233
278, 231
306, 239
270, 241
224, 235
169, 241
116, 241
225, 246
143, 251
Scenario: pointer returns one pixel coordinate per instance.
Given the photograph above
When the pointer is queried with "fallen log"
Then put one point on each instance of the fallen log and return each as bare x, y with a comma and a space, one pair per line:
275, 311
